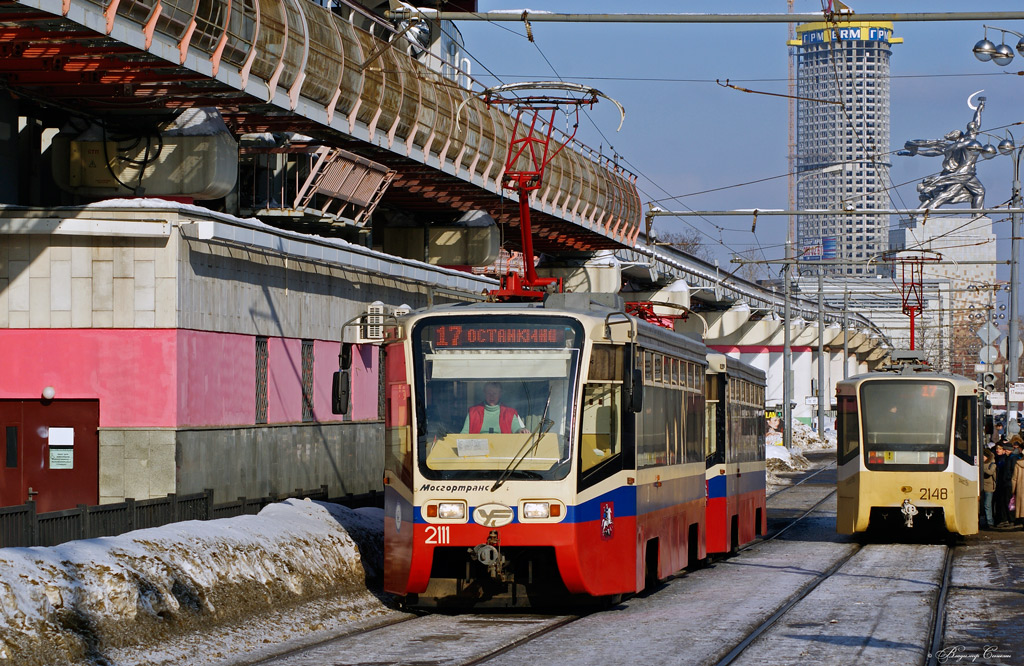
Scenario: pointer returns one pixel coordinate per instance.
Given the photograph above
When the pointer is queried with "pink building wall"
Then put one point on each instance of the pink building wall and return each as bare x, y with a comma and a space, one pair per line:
165, 378
325, 362
363, 378
132, 371
284, 380
365, 385
218, 372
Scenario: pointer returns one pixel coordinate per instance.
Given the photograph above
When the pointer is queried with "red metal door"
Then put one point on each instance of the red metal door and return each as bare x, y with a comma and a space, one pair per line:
11, 493
56, 449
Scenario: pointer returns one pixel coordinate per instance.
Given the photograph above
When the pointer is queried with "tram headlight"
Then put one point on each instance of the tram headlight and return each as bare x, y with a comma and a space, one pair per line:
541, 510
451, 510
536, 510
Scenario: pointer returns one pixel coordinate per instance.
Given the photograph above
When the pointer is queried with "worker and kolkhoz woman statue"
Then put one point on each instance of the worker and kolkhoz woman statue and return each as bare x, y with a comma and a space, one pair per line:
958, 182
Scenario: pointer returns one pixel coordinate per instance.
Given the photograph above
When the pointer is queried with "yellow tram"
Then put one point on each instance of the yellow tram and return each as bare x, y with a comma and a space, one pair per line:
908, 447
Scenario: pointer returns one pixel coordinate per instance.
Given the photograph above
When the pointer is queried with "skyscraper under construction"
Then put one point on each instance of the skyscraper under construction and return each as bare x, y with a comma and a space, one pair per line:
842, 141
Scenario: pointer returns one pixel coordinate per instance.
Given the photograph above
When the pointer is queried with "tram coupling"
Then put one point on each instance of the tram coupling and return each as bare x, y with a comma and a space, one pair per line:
489, 555
909, 511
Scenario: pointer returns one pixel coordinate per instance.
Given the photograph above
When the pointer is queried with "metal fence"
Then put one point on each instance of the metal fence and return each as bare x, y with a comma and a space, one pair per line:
21, 526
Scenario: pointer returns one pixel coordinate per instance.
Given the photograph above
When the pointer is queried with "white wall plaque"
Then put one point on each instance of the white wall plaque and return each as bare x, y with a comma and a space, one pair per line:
62, 436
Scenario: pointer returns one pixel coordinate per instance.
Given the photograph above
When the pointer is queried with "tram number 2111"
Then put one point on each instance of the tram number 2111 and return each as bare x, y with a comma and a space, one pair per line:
439, 535
933, 494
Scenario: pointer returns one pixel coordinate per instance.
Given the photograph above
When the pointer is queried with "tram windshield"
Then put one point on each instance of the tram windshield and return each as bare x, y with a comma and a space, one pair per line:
906, 424
494, 395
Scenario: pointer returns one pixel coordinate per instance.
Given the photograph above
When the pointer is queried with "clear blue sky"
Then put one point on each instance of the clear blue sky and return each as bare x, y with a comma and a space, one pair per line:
684, 133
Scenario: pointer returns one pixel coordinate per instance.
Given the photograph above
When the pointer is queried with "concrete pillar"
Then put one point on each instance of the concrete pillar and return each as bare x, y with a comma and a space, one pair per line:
10, 164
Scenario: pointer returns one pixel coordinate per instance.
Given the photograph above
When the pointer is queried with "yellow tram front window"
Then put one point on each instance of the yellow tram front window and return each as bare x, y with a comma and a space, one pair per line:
494, 395
906, 424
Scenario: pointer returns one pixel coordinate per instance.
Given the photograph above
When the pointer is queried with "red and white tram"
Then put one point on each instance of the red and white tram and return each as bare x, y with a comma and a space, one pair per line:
584, 478
736, 504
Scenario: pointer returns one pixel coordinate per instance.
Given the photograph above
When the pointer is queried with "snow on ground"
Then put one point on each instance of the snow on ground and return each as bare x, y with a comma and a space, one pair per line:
78, 601
779, 459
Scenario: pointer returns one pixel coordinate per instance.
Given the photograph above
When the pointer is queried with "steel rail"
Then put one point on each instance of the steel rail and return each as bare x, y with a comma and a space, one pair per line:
810, 476
569, 619
939, 621
269, 660
791, 523
785, 608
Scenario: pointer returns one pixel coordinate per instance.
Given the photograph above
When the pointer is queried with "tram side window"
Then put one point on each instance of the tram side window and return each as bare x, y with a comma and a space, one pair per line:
657, 430
599, 430
398, 417
714, 439
847, 428
746, 423
694, 430
606, 363
964, 424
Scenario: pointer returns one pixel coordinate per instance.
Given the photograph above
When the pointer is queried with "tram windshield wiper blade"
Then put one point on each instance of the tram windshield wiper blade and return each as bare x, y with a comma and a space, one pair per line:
524, 473
542, 429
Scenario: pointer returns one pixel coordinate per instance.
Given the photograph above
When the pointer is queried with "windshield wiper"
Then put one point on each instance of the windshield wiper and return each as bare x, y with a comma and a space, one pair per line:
542, 429
524, 474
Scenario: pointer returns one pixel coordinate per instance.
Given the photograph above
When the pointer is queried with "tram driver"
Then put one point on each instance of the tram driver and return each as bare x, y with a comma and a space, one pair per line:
490, 416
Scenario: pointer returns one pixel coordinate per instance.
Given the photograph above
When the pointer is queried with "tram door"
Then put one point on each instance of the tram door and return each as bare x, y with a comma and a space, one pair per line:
51, 453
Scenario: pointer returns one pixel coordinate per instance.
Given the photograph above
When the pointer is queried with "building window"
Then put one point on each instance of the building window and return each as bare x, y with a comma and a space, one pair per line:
261, 379
307, 381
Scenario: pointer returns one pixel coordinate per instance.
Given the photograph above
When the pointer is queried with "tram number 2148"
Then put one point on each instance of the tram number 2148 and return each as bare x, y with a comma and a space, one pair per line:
439, 535
933, 494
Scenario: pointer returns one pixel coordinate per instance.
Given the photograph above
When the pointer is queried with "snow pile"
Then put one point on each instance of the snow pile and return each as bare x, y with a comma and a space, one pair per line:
79, 599
779, 459
806, 439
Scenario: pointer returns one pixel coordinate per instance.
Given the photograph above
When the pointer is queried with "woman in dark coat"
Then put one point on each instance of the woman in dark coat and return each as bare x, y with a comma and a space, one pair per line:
1004, 479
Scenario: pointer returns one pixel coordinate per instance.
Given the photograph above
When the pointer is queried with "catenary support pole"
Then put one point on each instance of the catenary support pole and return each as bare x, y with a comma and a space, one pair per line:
823, 396
787, 361
1012, 341
846, 334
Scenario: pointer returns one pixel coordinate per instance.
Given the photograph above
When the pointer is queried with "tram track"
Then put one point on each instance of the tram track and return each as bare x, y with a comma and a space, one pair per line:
939, 621
774, 617
935, 635
855, 602
785, 608
430, 640
488, 657
804, 480
276, 659
863, 615
779, 532
483, 623
426, 640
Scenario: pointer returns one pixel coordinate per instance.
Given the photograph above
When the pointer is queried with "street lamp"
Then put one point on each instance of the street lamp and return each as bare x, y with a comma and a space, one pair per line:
1001, 55
1009, 147
787, 349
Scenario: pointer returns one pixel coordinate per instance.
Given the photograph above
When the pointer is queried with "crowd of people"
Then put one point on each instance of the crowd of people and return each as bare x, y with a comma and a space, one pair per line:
1002, 492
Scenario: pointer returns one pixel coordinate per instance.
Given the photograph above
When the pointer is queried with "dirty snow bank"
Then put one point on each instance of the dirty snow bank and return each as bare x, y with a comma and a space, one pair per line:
779, 459
76, 601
